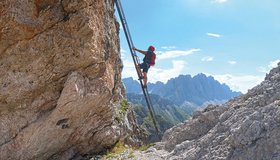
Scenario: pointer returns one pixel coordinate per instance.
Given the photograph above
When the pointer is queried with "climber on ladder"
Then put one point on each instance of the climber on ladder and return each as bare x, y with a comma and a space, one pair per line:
148, 60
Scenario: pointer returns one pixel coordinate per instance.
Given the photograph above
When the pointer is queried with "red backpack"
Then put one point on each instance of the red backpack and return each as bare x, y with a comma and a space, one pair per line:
150, 58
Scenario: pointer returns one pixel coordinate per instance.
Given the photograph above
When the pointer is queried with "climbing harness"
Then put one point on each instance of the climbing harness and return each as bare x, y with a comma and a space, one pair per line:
136, 62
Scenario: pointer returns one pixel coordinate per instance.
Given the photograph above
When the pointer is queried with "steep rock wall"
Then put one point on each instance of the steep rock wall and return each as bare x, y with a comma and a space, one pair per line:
60, 85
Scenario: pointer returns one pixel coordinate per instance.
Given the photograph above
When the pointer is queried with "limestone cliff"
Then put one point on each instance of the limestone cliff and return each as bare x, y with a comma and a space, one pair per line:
245, 128
60, 78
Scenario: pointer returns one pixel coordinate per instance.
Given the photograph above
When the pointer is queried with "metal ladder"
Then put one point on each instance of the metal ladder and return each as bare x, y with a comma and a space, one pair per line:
136, 62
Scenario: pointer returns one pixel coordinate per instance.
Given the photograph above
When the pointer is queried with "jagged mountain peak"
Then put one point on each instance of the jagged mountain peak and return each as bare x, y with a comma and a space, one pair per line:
200, 75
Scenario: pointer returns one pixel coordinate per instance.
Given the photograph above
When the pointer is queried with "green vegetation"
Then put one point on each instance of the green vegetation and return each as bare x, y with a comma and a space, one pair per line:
118, 149
118, 152
131, 155
124, 107
122, 111
109, 156
146, 147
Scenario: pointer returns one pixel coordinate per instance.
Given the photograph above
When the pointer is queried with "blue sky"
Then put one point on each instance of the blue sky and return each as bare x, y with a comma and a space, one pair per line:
235, 41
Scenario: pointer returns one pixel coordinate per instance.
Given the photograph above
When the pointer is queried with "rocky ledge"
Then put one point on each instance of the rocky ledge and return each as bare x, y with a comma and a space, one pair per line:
245, 128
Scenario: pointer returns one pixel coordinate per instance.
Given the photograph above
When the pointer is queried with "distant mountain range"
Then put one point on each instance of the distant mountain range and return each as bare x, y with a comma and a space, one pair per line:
198, 90
176, 100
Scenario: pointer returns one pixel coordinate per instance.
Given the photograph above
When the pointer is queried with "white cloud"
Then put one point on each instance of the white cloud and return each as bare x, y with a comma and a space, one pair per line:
163, 75
121, 27
129, 69
168, 47
176, 53
123, 52
262, 69
232, 62
219, 1
239, 82
272, 64
214, 35
155, 74
207, 59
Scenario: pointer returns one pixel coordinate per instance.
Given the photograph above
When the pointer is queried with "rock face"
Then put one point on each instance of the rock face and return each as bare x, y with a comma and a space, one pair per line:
245, 128
60, 78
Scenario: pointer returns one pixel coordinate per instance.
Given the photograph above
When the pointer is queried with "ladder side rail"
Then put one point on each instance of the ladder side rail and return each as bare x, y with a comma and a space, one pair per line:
126, 25
127, 34
150, 107
150, 101
126, 31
